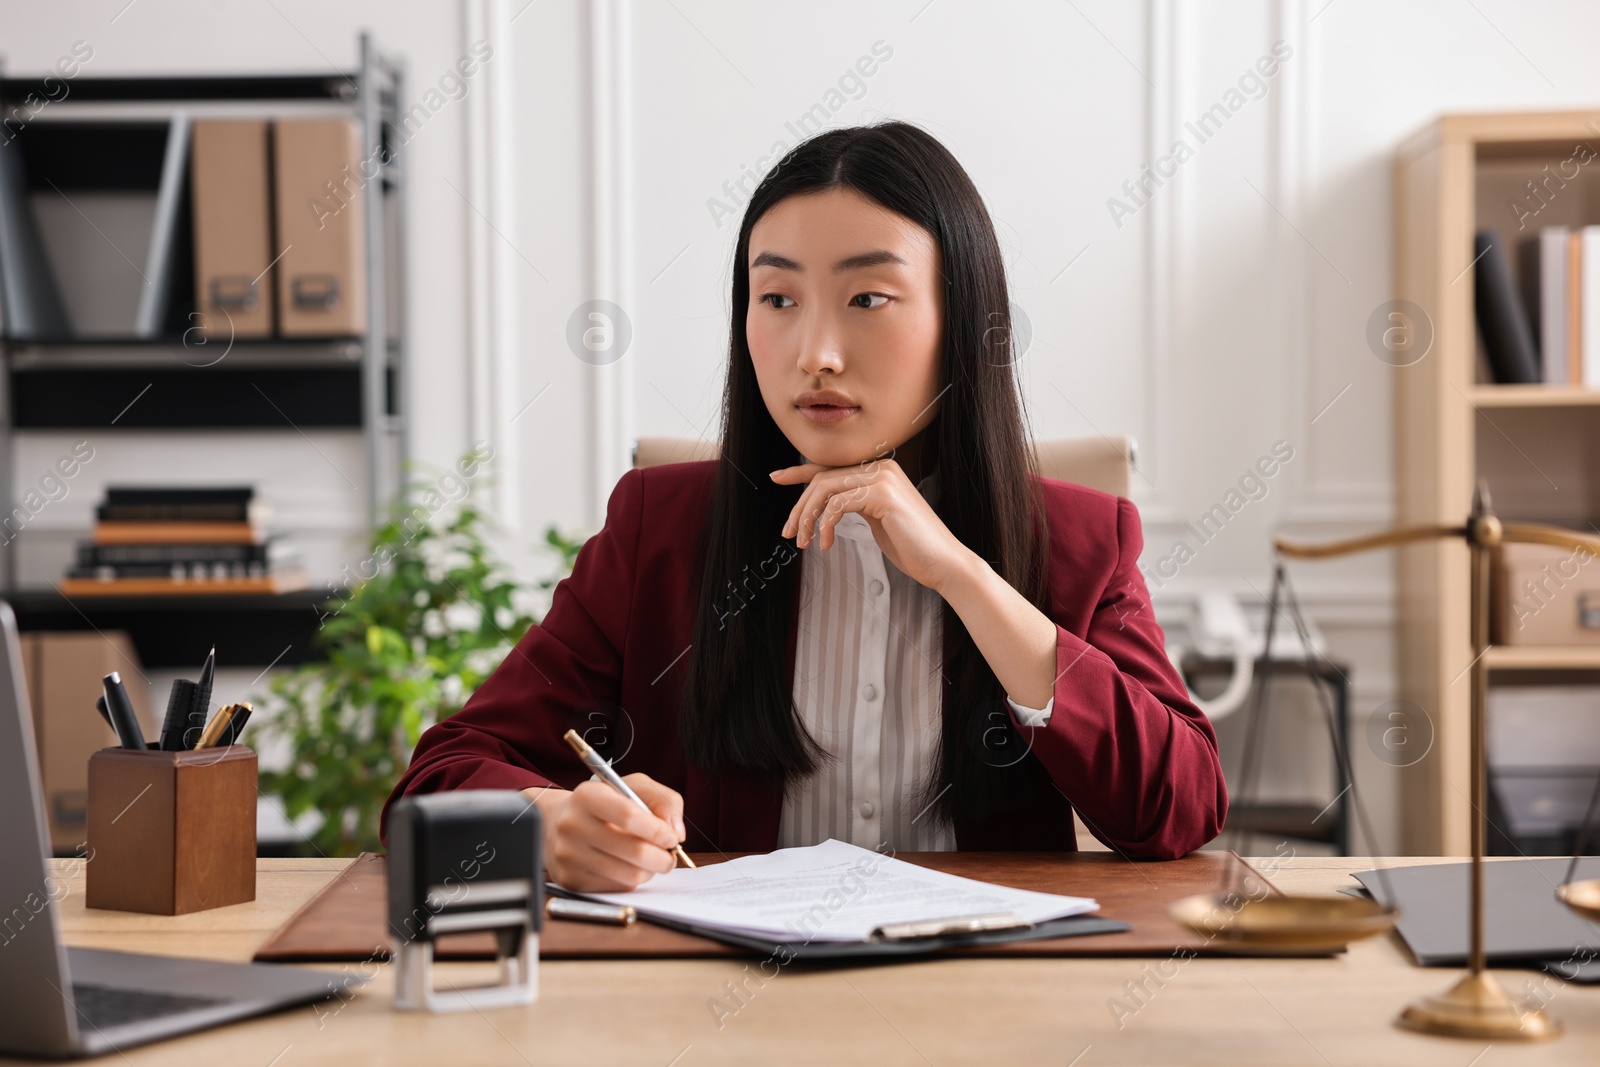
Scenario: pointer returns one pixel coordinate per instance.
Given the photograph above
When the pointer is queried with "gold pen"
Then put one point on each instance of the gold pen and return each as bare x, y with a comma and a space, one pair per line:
590, 912
218, 726
597, 763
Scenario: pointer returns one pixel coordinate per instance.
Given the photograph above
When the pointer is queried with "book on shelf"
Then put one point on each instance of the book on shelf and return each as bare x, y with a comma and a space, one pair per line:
1574, 308
177, 533
196, 572
178, 561
180, 515
157, 540
196, 504
1542, 260
1502, 320
1557, 297
270, 583
93, 555
1589, 293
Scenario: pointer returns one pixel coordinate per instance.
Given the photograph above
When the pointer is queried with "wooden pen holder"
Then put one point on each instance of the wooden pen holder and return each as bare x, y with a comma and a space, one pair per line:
171, 832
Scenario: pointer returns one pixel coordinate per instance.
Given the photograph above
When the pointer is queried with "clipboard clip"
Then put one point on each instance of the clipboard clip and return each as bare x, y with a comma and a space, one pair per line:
966, 924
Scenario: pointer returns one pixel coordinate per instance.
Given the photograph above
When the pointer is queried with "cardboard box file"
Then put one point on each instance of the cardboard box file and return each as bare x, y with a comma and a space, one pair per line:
64, 672
320, 189
230, 174
1543, 595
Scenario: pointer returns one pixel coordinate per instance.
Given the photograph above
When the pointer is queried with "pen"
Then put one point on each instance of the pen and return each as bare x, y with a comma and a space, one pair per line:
120, 707
208, 671
200, 709
216, 728
597, 763
225, 726
590, 912
241, 715
100, 706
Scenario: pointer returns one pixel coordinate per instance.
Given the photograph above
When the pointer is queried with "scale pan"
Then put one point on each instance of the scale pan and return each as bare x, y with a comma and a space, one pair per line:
1582, 897
1282, 925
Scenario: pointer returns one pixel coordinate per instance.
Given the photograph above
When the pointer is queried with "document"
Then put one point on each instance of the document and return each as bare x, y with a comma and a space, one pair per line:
829, 892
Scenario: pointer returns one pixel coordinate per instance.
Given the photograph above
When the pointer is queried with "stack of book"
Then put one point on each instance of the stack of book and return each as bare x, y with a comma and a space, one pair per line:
182, 539
1541, 324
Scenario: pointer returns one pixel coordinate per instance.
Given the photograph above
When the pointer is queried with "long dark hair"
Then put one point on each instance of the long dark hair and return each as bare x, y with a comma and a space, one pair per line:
738, 709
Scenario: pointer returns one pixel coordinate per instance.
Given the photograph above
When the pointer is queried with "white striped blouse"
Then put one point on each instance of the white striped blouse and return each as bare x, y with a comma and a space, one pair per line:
867, 685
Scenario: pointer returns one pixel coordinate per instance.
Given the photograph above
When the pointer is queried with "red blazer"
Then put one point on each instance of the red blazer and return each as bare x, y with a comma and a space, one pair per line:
1125, 747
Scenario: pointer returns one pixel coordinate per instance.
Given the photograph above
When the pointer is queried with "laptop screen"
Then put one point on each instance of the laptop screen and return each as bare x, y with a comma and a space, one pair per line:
34, 985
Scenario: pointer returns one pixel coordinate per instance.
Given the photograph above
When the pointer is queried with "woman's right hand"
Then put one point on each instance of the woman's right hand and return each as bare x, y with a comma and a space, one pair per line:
597, 840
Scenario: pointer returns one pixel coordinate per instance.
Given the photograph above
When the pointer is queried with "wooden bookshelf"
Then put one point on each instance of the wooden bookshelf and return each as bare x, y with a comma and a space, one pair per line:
1533, 396
1543, 658
1453, 426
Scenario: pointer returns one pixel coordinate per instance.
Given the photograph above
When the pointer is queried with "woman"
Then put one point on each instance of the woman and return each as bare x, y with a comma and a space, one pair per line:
868, 619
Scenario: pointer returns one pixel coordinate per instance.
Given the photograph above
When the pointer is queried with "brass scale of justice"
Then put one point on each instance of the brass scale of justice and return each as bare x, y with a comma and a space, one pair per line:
1476, 1005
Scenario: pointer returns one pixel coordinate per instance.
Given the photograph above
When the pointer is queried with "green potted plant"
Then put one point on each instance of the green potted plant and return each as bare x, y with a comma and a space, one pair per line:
405, 647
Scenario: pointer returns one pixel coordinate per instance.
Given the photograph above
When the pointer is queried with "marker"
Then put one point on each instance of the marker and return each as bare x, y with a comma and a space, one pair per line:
123, 720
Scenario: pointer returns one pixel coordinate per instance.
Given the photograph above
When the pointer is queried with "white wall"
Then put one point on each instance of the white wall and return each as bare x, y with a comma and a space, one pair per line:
1226, 315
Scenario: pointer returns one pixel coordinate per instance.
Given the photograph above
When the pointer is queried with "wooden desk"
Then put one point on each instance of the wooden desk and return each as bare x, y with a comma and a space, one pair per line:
1017, 1011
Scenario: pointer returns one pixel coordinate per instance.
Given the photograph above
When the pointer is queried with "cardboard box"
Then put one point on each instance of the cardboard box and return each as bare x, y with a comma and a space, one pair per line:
1542, 595
230, 173
320, 182
64, 672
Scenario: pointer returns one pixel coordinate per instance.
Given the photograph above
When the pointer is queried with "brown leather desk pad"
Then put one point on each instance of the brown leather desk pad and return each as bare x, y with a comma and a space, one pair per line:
346, 920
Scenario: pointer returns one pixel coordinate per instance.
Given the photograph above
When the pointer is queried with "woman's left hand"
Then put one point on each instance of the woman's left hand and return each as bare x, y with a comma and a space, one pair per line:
905, 526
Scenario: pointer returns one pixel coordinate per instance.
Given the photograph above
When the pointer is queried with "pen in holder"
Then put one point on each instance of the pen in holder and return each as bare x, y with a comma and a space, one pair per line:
171, 832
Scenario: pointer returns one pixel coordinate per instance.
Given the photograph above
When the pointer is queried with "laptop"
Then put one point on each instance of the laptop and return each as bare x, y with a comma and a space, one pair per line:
59, 1002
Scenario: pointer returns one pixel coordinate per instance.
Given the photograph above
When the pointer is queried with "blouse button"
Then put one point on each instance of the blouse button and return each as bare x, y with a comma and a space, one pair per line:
869, 691
876, 587
867, 809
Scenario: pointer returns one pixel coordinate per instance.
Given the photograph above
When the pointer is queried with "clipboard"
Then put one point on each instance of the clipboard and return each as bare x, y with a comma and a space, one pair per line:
914, 939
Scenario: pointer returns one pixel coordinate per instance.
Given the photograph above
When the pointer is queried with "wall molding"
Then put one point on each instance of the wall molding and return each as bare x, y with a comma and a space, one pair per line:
611, 397
1165, 43
1292, 139
490, 188
504, 196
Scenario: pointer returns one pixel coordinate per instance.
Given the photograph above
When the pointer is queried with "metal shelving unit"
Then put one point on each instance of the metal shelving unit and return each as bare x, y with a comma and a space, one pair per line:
349, 382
